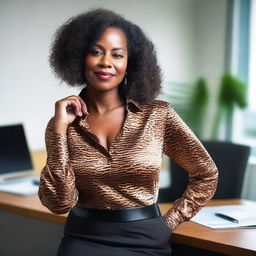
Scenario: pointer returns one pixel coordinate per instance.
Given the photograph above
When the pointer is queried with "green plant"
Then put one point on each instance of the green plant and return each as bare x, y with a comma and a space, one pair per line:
198, 105
190, 101
232, 93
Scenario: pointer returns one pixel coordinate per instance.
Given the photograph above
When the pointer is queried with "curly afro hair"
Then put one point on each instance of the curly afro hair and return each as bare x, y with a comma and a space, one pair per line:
75, 37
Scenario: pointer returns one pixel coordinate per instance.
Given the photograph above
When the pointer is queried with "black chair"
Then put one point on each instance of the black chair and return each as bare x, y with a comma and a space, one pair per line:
231, 160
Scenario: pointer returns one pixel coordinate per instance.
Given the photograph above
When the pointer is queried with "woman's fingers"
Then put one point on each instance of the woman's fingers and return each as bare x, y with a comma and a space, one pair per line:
73, 106
68, 108
75, 101
84, 107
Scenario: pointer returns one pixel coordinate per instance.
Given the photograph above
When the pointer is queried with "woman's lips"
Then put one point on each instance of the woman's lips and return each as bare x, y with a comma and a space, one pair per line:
104, 75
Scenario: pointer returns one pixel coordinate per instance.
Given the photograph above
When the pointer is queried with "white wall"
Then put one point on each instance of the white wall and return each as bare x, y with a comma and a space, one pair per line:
28, 87
188, 35
210, 49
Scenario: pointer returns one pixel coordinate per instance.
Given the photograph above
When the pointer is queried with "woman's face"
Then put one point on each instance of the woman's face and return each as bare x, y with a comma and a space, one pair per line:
106, 61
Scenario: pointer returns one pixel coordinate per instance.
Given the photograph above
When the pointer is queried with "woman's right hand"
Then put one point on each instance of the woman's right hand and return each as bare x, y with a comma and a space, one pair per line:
66, 110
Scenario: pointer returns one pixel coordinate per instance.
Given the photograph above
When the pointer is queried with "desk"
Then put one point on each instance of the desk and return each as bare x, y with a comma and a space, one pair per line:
229, 242
240, 242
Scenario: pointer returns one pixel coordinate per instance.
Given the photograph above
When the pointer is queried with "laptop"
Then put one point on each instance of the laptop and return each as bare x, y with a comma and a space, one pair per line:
16, 169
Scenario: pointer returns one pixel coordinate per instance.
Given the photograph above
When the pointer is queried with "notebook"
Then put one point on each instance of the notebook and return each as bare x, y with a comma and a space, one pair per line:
227, 216
16, 168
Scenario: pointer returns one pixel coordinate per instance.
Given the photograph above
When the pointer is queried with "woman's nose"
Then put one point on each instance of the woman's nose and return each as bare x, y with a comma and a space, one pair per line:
105, 61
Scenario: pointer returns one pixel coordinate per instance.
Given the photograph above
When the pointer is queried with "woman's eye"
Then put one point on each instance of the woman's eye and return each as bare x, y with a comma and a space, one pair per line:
118, 55
95, 52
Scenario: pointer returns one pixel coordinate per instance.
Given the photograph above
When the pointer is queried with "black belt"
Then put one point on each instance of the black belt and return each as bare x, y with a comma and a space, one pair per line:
120, 215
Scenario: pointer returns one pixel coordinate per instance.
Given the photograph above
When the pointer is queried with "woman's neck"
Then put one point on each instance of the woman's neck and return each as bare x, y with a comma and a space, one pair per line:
100, 103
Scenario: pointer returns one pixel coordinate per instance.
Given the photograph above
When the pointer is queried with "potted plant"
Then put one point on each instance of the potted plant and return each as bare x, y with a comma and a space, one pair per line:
232, 93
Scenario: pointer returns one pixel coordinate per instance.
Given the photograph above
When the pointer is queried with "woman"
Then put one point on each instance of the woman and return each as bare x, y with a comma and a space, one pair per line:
105, 146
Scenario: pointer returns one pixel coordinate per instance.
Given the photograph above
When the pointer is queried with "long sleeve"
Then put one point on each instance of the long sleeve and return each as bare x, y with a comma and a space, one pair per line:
183, 147
57, 189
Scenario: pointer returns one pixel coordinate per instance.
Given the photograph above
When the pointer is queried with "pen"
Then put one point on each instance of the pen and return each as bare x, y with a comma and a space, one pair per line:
226, 217
36, 182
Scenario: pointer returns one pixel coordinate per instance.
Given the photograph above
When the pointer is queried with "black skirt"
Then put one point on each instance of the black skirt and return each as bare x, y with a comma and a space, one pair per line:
84, 236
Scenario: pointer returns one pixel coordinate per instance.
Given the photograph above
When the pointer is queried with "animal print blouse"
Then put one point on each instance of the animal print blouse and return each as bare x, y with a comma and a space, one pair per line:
79, 170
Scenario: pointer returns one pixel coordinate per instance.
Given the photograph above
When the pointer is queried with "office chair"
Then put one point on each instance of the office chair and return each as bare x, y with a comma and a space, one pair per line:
231, 160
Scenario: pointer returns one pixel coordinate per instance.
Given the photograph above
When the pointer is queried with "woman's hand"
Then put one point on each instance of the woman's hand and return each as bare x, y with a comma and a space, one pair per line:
66, 110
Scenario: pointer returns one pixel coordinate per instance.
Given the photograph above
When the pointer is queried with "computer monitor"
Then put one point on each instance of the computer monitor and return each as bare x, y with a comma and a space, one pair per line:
15, 160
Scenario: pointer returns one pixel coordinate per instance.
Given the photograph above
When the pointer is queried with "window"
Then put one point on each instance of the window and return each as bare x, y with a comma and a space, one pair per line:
244, 127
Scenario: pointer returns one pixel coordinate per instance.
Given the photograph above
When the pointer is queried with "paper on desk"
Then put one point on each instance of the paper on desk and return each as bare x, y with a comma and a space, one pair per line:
245, 214
24, 187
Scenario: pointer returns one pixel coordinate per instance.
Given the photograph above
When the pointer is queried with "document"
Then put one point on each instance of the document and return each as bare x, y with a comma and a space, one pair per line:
227, 216
23, 186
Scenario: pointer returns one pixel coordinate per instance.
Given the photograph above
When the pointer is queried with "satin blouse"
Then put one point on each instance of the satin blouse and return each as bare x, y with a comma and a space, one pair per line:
79, 170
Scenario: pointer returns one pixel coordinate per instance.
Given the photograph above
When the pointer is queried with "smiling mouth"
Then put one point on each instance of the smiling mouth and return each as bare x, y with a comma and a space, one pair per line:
104, 75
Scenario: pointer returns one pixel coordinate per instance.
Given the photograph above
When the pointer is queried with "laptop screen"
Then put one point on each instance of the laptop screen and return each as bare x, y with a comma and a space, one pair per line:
14, 152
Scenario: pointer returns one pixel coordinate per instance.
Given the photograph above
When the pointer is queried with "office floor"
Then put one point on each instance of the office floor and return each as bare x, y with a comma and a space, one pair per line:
181, 250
